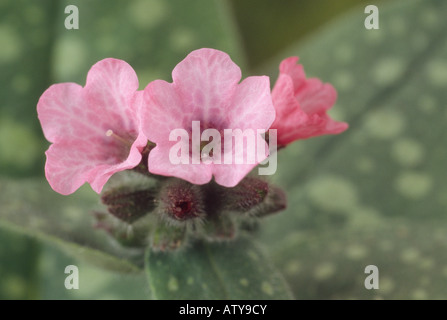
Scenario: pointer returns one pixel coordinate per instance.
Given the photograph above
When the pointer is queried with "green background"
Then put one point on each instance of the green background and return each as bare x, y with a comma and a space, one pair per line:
376, 194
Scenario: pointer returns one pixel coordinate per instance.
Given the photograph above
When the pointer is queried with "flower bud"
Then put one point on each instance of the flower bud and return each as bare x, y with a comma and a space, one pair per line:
122, 232
253, 197
220, 227
274, 202
248, 194
129, 205
181, 201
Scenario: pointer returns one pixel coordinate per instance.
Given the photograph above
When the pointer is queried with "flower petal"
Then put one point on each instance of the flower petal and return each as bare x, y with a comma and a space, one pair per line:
289, 115
252, 105
229, 175
205, 88
205, 81
56, 108
111, 84
77, 119
290, 67
163, 111
334, 127
316, 97
315, 126
283, 98
301, 105
289, 127
64, 171
159, 163
103, 172
69, 165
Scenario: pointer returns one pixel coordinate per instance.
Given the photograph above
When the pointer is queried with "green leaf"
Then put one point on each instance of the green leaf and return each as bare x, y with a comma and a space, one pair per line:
281, 23
233, 270
24, 27
410, 257
151, 35
26, 40
349, 193
19, 272
32, 208
94, 283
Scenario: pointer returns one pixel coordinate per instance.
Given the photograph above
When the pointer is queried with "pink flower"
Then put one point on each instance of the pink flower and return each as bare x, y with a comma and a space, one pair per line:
205, 88
94, 129
301, 105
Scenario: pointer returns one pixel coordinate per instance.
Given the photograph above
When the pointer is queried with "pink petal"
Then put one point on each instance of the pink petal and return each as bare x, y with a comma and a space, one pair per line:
229, 175
290, 67
252, 105
111, 84
251, 108
283, 97
316, 97
159, 163
64, 171
67, 111
301, 105
315, 126
205, 88
163, 111
288, 128
289, 115
103, 172
68, 168
76, 120
334, 127
57, 104
205, 81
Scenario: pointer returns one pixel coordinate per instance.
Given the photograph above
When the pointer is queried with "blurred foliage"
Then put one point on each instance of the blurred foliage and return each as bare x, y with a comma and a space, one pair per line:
223, 271
376, 194
268, 27
26, 40
94, 282
151, 35
19, 259
31, 207
373, 195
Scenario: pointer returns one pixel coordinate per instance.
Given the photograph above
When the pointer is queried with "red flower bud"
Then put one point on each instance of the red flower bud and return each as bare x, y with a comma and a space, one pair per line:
129, 205
181, 200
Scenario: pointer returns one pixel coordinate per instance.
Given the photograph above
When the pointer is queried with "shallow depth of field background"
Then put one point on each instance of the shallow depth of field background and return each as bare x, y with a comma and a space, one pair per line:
376, 194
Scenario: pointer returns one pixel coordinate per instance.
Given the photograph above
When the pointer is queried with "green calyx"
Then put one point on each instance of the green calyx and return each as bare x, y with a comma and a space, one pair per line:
167, 214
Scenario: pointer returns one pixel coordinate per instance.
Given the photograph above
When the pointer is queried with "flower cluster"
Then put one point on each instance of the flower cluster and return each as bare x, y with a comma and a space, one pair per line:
109, 126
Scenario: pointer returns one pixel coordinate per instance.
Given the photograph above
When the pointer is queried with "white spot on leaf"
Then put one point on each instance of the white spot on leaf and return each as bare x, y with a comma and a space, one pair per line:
387, 70
332, 193
407, 152
267, 288
414, 185
172, 284
385, 124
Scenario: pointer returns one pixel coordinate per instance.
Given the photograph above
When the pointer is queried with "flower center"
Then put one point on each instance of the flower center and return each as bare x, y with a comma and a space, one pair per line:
111, 134
209, 152
182, 210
